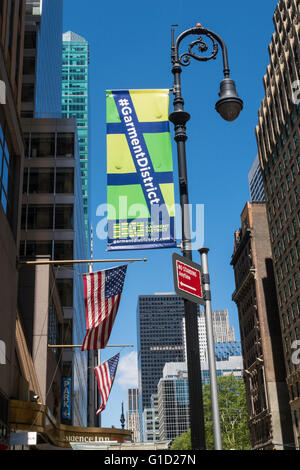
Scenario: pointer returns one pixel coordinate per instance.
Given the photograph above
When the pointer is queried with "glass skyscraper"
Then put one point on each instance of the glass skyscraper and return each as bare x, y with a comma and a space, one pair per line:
41, 89
173, 393
160, 340
256, 184
75, 101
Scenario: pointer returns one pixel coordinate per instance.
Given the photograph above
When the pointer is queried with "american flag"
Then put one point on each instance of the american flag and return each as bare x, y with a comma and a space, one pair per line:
105, 374
102, 294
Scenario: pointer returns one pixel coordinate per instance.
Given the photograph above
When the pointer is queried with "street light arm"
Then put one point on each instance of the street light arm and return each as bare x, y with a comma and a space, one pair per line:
184, 59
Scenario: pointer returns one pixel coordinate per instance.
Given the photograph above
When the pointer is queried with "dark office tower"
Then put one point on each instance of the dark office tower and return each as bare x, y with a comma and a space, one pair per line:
278, 139
53, 226
160, 340
12, 16
255, 296
42, 75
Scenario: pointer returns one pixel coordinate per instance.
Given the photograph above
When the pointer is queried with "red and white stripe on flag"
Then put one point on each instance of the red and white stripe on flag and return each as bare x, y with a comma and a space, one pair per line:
102, 295
98, 336
105, 374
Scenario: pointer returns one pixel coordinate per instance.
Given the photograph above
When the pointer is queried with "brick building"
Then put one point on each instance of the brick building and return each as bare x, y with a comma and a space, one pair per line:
255, 296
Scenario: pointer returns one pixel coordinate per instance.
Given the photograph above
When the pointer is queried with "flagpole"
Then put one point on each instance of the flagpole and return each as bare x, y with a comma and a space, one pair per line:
92, 379
69, 346
78, 261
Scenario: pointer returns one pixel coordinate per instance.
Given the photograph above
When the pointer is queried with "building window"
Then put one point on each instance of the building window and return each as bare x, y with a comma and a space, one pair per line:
54, 329
28, 93
63, 250
295, 137
64, 181
65, 289
65, 145
296, 281
294, 311
291, 289
41, 181
39, 217
63, 216
68, 332
25, 181
42, 145
30, 40
292, 253
29, 65
36, 248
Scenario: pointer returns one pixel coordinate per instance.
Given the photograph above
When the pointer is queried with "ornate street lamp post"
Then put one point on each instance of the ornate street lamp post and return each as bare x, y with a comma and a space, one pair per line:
229, 107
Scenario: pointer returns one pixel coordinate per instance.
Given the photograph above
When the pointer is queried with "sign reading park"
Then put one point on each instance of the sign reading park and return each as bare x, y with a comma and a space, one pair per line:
187, 279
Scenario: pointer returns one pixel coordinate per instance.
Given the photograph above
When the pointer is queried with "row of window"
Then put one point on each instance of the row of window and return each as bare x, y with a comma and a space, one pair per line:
287, 237
281, 138
284, 185
48, 181
78, 116
288, 263
49, 144
75, 100
74, 107
289, 289
275, 205
287, 159
75, 77
290, 316
72, 70
277, 151
58, 250
73, 63
47, 217
71, 88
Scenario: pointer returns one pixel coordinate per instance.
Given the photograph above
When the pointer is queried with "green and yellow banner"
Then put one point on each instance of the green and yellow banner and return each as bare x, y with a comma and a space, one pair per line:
140, 188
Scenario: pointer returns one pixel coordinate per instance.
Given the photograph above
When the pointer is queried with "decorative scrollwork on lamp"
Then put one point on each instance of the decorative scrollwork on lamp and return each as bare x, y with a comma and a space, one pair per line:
200, 43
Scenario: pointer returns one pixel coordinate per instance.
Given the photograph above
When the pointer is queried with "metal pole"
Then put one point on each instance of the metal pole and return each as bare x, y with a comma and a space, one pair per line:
179, 118
78, 261
69, 346
91, 377
211, 350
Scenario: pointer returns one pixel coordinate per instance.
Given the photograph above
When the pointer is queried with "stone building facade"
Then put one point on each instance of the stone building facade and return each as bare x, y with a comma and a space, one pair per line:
255, 296
278, 138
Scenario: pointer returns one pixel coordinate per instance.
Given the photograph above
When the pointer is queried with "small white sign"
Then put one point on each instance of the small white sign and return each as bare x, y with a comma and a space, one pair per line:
32, 437
23, 438
2, 353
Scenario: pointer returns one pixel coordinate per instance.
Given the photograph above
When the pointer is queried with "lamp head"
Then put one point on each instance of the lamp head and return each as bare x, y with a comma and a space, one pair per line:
229, 105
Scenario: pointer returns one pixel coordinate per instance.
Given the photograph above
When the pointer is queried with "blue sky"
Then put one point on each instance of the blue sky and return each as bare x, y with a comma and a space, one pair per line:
130, 48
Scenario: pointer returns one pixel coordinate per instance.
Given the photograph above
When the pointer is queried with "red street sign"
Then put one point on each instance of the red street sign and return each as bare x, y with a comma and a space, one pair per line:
187, 279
